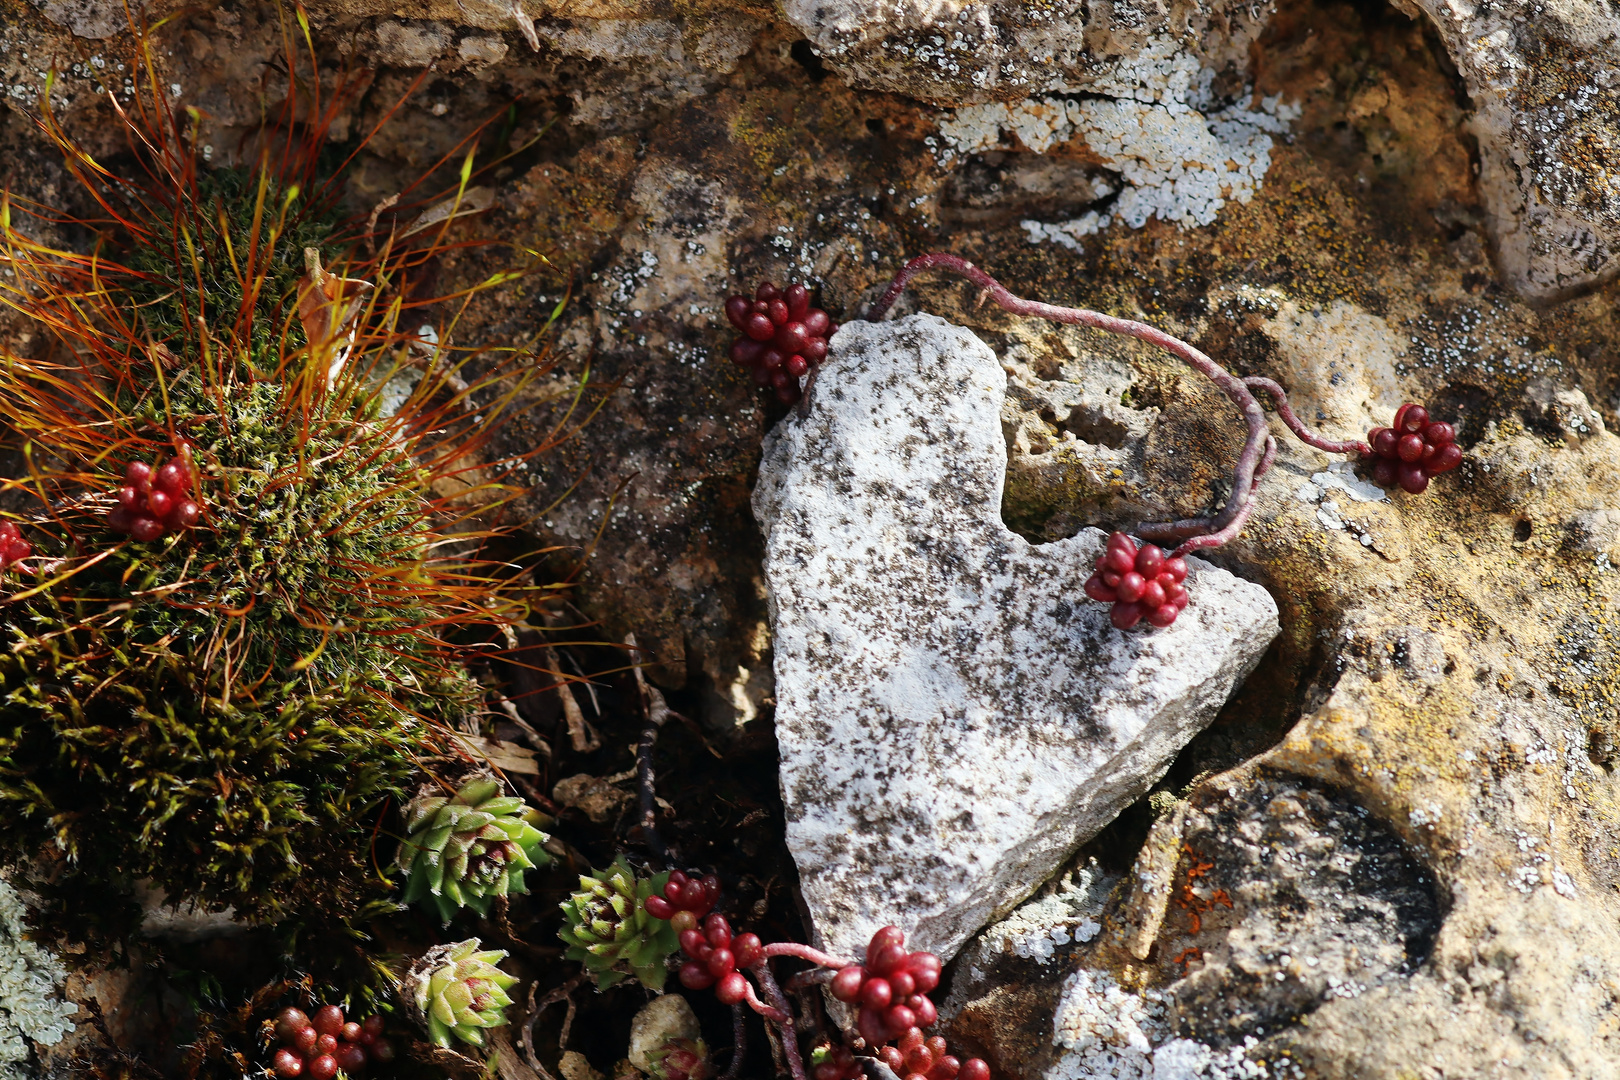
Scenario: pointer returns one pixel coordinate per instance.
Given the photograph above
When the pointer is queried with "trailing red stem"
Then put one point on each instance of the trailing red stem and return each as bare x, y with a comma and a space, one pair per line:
805, 952
1259, 449
781, 1014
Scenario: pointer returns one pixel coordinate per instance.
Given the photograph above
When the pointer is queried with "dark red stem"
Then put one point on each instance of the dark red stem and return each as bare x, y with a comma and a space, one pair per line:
1259, 449
805, 952
780, 1013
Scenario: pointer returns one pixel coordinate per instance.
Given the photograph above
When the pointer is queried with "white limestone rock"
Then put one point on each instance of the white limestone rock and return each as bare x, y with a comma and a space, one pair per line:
954, 716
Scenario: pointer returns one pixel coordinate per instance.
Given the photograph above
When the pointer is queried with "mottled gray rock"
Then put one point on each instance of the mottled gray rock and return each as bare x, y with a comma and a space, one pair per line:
953, 715
1544, 80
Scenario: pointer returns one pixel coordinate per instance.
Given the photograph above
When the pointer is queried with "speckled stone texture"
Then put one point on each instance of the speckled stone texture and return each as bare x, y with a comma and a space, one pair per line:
1544, 80
954, 716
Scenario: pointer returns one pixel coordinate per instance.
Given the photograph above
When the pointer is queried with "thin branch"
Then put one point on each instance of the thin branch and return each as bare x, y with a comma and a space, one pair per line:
1259, 449
805, 952
658, 713
739, 1044
790, 1035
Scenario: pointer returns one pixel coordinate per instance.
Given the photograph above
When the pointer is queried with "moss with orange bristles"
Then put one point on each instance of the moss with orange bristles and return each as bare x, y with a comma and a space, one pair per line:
223, 709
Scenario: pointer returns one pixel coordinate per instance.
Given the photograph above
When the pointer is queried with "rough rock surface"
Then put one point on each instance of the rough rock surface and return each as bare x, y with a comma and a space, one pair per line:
1544, 81
954, 716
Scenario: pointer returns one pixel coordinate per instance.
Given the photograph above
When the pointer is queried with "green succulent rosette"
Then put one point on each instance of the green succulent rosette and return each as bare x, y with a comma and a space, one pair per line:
459, 993
464, 850
606, 927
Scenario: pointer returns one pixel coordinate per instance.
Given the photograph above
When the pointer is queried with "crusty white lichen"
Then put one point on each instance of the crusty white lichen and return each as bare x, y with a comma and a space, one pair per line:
1179, 153
31, 1004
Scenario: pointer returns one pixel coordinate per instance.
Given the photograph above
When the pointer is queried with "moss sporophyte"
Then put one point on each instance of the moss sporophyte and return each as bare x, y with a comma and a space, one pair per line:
238, 603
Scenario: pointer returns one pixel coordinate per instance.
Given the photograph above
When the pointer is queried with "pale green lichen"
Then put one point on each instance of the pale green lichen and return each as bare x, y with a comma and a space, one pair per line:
31, 1005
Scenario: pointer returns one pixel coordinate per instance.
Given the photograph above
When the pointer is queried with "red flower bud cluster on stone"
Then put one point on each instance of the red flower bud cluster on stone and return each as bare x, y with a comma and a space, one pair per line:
715, 955
13, 548
317, 1047
917, 1058
687, 898
891, 988
1140, 582
1413, 451
153, 502
783, 336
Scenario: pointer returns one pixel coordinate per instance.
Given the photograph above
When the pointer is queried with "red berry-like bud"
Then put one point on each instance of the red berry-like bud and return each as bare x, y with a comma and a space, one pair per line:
919, 1060
658, 907
382, 1050
737, 311
16, 550
350, 1032
323, 1067
289, 1022
1163, 615
887, 959
1445, 459
945, 1067
1410, 448
869, 1022
683, 921
718, 931
902, 983
749, 950
304, 1040
772, 358
328, 1020
846, 985
1415, 420
1412, 478
923, 1009
760, 327
745, 351
721, 962
1130, 586
778, 311
1120, 561
732, 988
138, 474
816, 350
693, 942
889, 935
1098, 590
325, 1044
185, 514
974, 1069
1385, 472
798, 299
910, 1040
893, 1058
1149, 561
1400, 418
936, 1046
128, 498
1125, 615
1384, 441
693, 898
877, 994
351, 1057
373, 1025
160, 502
924, 968
767, 291
1176, 568
1152, 595
817, 324
1440, 433
287, 1064
1111, 579
172, 478
899, 1018
792, 338
145, 529
694, 976
797, 366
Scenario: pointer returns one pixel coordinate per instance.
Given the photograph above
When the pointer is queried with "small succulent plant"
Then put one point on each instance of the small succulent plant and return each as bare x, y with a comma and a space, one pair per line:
680, 1059
319, 1046
1413, 450
13, 548
466, 849
607, 928
459, 992
153, 502
783, 337
1140, 582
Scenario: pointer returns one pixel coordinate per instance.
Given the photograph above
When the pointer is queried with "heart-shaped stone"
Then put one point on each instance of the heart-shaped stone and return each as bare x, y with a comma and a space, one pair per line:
954, 715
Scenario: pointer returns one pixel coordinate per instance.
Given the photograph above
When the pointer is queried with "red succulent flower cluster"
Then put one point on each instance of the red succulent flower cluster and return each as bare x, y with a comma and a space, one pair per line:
13, 548
687, 898
917, 1058
715, 957
317, 1047
1140, 582
1413, 451
891, 988
681, 1059
783, 336
153, 502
